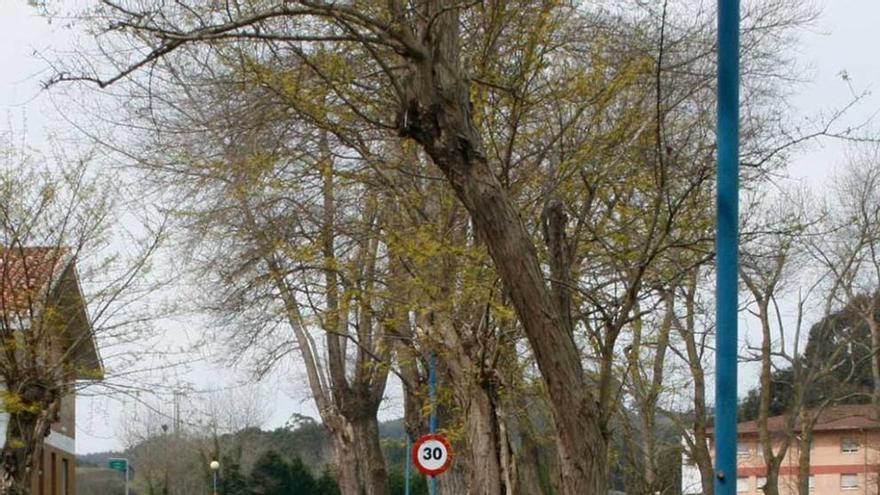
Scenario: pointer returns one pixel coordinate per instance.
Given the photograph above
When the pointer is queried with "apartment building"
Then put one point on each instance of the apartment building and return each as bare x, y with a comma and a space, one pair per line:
844, 455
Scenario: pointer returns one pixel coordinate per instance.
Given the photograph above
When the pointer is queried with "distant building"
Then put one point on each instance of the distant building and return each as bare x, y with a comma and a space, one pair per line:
844, 455
691, 481
35, 284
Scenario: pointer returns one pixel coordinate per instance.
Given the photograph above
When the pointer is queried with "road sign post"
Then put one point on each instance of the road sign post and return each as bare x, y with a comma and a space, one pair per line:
432, 419
119, 464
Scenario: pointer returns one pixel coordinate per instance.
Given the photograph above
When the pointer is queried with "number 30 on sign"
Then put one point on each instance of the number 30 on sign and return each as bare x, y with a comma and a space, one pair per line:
432, 454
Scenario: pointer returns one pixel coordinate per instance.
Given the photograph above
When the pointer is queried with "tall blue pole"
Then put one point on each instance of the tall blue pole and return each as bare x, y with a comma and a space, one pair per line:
432, 396
408, 472
726, 245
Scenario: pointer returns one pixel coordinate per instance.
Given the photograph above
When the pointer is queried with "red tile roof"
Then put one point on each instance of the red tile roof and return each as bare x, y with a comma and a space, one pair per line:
26, 274
26, 277
846, 417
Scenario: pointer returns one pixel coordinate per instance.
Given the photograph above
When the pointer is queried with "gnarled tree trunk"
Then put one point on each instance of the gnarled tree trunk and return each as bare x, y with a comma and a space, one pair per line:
437, 116
360, 464
484, 441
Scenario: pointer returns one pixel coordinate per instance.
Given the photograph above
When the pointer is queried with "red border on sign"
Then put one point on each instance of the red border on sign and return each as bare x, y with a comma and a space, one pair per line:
420, 442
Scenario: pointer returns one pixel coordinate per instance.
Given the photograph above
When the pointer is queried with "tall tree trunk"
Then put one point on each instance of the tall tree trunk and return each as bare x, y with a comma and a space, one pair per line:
477, 399
874, 327
456, 150
804, 452
700, 447
436, 114
763, 286
347, 407
359, 460
474, 395
771, 487
485, 445
455, 480
771, 461
703, 460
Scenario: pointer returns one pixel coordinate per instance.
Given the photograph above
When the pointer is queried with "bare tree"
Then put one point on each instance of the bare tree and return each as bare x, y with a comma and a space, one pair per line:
849, 250
65, 291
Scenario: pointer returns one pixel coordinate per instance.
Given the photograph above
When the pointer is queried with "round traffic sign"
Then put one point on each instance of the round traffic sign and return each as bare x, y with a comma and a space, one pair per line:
432, 454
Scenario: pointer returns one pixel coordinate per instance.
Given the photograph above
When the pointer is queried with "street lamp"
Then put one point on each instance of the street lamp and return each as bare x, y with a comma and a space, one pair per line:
215, 466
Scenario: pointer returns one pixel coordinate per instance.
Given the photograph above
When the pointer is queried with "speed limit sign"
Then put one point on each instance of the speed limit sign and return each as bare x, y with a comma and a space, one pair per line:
432, 454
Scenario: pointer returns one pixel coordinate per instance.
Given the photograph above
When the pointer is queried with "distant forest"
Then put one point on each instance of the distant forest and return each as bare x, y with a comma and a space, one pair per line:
291, 460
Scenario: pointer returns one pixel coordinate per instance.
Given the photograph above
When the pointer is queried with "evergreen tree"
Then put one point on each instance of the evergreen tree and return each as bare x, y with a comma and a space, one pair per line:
301, 480
273, 475
232, 481
326, 484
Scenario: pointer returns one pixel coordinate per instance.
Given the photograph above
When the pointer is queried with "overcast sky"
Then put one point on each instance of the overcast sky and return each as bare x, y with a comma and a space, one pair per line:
845, 39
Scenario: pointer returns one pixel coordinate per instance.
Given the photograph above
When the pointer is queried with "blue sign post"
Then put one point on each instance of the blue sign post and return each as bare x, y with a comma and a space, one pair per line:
726, 245
432, 419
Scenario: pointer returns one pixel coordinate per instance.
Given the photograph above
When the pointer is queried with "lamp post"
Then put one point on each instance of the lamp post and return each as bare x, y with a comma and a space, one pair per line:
215, 466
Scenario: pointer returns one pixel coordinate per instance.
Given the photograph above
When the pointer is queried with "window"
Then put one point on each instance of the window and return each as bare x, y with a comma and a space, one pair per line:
742, 449
812, 482
64, 474
849, 445
849, 481
54, 475
761, 482
742, 484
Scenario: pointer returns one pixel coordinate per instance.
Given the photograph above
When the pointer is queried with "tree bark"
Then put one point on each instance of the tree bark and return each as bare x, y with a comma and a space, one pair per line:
804, 453
874, 327
478, 401
485, 446
359, 461
771, 487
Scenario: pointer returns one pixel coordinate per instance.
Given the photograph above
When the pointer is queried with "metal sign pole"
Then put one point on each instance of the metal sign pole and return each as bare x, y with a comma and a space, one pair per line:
126, 478
726, 245
408, 472
432, 396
